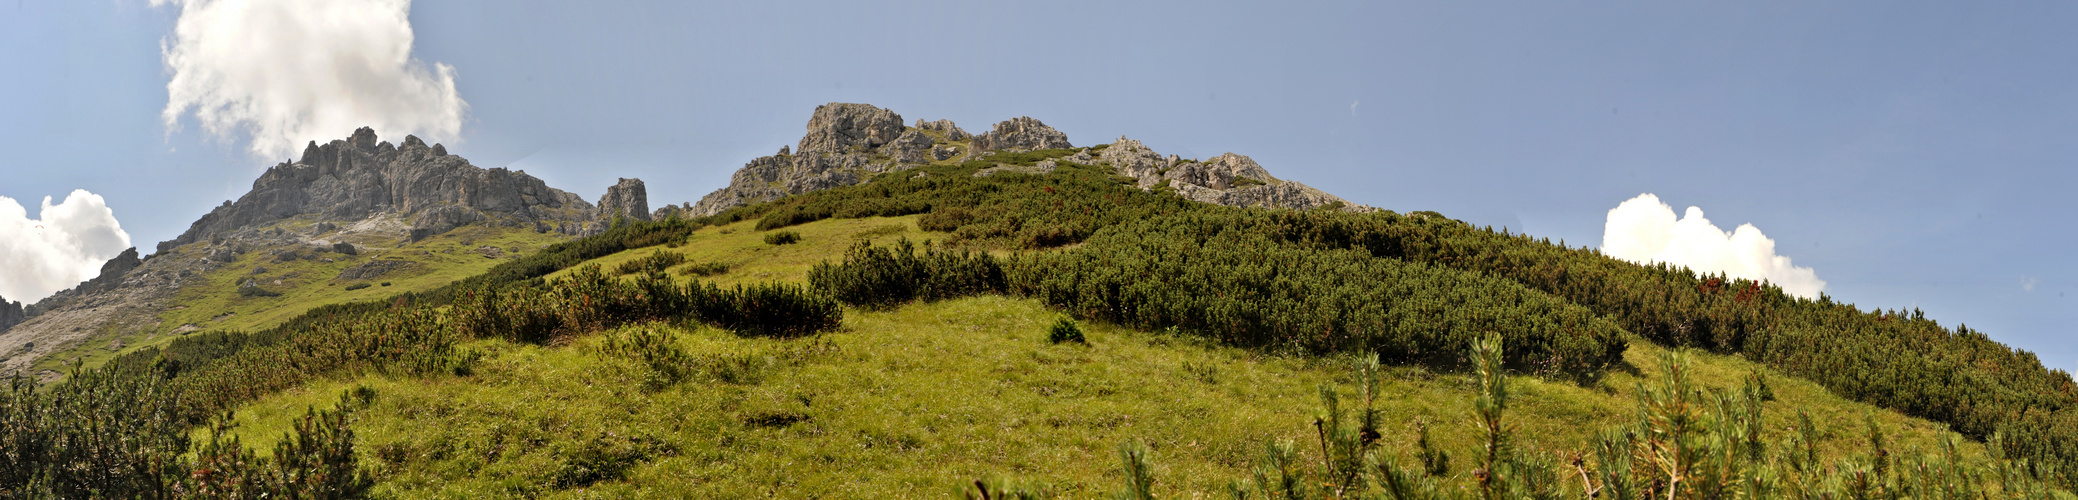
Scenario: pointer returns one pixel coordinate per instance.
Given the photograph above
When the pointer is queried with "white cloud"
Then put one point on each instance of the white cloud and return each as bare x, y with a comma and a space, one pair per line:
2027, 284
285, 72
1644, 230
65, 244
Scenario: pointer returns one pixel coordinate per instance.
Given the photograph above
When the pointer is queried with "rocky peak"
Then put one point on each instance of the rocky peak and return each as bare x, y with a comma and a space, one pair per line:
845, 145
1023, 133
363, 139
840, 127
626, 198
354, 178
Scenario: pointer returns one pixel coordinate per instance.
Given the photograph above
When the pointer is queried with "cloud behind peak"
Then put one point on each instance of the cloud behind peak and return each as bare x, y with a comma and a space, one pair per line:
64, 245
279, 73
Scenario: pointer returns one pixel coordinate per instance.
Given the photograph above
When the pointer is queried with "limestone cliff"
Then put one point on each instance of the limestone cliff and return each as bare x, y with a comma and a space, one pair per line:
627, 199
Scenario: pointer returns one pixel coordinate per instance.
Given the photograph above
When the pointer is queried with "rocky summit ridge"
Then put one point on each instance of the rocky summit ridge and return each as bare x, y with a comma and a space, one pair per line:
849, 143
358, 177
363, 187
359, 187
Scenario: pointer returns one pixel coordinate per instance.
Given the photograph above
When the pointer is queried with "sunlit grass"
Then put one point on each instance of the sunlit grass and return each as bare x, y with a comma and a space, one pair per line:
916, 401
214, 304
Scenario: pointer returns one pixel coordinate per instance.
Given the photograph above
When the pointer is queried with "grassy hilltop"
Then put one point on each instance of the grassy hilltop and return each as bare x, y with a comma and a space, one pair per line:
803, 348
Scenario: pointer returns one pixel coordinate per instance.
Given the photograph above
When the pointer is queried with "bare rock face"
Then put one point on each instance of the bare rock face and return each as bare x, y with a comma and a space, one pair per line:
441, 219
1220, 173
626, 198
912, 146
111, 275
945, 128
1227, 179
1023, 133
10, 314
845, 145
668, 212
1133, 159
848, 128
1287, 194
357, 177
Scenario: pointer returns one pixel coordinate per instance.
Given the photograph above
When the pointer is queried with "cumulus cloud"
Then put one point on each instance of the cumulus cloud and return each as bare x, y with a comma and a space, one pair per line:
1644, 230
285, 72
65, 244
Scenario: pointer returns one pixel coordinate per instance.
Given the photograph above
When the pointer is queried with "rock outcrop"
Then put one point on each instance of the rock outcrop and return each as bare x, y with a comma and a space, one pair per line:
627, 199
11, 313
111, 275
944, 128
1023, 133
668, 212
125, 299
354, 178
846, 144
849, 128
1227, 179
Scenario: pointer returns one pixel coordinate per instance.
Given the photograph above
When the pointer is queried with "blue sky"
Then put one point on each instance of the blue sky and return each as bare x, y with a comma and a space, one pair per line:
1913, 155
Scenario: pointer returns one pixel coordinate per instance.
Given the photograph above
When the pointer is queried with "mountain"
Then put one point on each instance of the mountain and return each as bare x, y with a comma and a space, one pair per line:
347, 192
912, 309
847, 144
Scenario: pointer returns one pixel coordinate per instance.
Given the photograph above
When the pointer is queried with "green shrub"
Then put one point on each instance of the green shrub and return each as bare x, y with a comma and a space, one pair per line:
944, 219
705, 269
356, 286
656, 262
779, 310
782, 238
656, 349
385, 283
1218, 276
881, 277
1065, 330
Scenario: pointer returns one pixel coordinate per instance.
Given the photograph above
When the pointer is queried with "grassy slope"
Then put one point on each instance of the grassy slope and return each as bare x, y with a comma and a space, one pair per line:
915, 401
308, 283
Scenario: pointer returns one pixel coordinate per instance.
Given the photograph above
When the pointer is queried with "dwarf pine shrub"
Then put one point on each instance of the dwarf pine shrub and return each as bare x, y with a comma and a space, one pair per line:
886, 276
1065, 330
782, 238
655, 262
